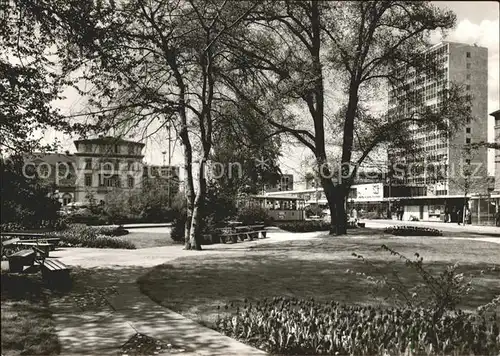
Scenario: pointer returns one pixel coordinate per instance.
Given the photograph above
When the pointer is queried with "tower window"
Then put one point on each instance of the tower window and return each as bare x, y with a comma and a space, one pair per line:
88, 180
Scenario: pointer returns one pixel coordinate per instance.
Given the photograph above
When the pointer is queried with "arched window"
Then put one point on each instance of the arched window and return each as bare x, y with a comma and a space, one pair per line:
67, 199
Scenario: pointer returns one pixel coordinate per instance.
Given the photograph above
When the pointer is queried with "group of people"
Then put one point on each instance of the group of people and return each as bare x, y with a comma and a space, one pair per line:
459, 214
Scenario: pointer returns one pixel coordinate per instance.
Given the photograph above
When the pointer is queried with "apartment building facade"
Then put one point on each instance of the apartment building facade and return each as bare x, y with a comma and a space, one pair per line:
466, 66
107, 164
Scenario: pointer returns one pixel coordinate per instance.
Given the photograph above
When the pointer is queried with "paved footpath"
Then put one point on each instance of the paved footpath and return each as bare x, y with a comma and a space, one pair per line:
102, 328
87, 324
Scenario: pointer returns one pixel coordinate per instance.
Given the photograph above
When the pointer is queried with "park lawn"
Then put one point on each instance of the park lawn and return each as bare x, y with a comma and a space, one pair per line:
317, 268
148, 239
27, 324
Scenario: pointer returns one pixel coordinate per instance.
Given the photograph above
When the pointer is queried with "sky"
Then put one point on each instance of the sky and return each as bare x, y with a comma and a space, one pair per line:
477, 22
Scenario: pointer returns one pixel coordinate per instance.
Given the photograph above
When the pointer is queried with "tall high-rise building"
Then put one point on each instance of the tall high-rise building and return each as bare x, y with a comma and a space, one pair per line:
496, 116
440, 159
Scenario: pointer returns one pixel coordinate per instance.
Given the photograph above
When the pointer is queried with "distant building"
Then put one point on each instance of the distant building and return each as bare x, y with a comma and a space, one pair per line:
496, 115
107, 164
462, 64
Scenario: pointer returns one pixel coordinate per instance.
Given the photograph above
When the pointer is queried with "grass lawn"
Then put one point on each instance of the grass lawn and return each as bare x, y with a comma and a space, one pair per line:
27, 324
316, 268
148, 239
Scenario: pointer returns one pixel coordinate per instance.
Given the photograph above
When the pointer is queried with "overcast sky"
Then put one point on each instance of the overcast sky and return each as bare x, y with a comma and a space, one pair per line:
477, 22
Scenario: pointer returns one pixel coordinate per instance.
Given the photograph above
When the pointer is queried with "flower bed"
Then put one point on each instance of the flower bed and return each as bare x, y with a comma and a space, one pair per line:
84, 236
412, 231
291, 326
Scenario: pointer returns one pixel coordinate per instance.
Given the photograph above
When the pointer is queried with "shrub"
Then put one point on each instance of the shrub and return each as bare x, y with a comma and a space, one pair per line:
314, 210
373, 215
112, 231
412, 231
84, 236
178, 228
291, 326
440, 292
304, 226
253, 214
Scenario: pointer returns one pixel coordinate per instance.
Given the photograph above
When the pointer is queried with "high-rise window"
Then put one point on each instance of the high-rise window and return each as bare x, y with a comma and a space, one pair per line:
467, 87
467, 130
467, 140
88, 163
88, 147
130, 181
468, 76
468, 65
468, 54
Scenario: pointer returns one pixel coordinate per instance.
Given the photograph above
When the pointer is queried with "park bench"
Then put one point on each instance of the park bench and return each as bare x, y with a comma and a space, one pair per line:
55, 273
44, 246
241, 233
19, 259
259, 229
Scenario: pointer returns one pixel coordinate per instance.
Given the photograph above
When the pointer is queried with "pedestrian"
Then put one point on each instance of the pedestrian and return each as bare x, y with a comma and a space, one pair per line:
354, 214
467, 216
497, 218
459, 216
447, 217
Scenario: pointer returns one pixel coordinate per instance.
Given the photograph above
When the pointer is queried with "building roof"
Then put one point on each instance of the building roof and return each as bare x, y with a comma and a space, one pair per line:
496, 114
107, 139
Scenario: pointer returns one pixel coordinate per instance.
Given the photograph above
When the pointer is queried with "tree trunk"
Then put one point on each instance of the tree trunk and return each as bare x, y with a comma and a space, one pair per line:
329, 190
340, 198
197, 217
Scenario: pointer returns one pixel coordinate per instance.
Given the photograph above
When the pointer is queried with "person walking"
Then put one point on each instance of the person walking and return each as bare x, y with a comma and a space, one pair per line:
459, 216
467, 216
497, 218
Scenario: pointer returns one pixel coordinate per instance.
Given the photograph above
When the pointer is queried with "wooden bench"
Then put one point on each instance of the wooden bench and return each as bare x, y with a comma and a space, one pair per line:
55, 273
259, 229
54, 241
45, 246
241, 233
22, 258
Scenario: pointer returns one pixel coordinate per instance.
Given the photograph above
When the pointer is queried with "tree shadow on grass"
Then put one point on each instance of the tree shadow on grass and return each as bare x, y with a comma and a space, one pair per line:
196, 286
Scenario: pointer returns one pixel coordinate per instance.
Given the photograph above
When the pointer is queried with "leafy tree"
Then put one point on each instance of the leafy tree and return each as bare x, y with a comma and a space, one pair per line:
28, 83
245, 151
154, 62
25, 199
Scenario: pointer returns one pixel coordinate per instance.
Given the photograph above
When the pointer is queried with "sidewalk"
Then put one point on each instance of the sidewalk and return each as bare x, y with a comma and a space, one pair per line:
87, 326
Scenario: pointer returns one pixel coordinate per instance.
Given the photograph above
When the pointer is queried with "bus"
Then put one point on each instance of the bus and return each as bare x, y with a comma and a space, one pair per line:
282, 208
